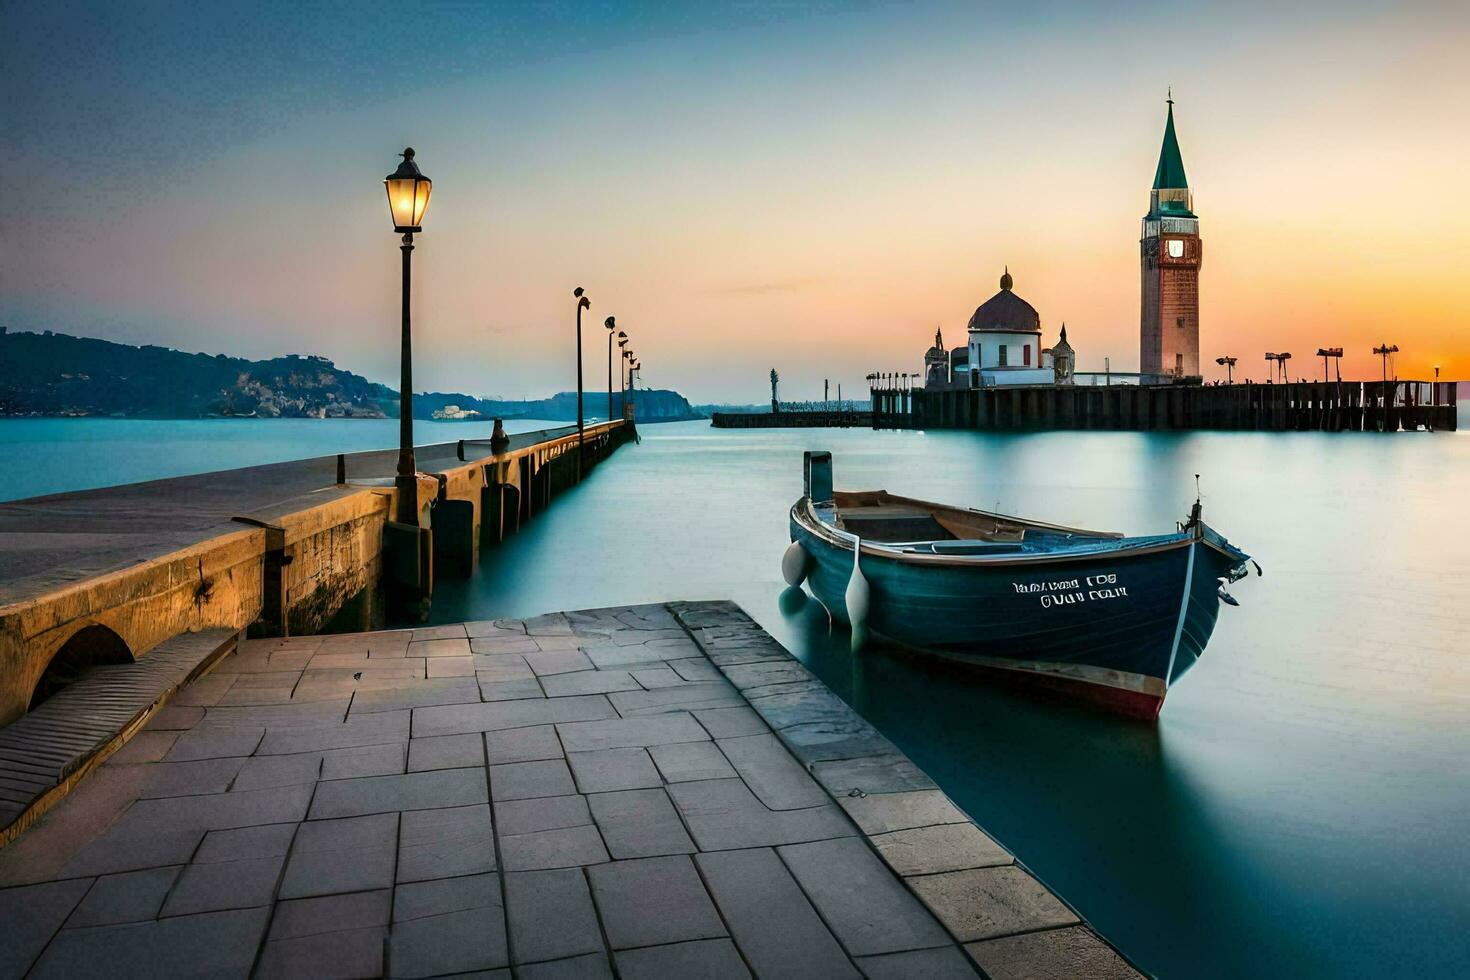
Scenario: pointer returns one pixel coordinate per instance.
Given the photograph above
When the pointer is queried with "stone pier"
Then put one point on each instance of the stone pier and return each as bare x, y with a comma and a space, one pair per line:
654, 791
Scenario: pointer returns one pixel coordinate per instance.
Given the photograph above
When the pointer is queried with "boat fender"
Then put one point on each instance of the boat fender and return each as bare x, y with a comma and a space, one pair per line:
795, 564
1228, 599
858, 595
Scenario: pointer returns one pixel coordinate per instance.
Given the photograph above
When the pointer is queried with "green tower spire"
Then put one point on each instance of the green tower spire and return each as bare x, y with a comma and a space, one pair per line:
1171, 195
1171, 165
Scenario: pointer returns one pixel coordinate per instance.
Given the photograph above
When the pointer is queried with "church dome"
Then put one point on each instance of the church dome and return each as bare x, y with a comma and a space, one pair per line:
1006, 312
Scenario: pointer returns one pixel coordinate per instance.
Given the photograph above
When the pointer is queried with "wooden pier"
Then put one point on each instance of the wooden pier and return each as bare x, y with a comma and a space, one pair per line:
795, 419
1366, 406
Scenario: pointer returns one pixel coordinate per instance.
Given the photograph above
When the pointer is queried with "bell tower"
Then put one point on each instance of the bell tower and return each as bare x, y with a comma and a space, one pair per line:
1170, 255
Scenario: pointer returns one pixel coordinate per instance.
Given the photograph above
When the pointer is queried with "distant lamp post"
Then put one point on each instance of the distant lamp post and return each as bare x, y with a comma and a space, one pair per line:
583, 303
627, 364
408, 199
612, 334
622, 339
1228, 363
1330, 353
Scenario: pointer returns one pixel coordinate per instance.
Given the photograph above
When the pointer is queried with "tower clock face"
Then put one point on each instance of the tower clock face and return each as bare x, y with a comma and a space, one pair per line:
1176, 248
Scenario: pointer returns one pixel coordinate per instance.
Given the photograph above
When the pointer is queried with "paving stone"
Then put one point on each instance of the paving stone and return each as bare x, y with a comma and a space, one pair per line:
689, 761
878, 774
731, 722
344, 954
445, 752
268, 771
419, 694
502, 645
565, 848
650, 901
112, 853
613, 769
203, 777
695, 669
939, 963
864, 905
175, 717
775, 926
588, 682
517, 690
211, 744
551, 915
144, 747
829, 740
522, 745
377, 728
685, 697
133, 896
218, 811
592, 966
550, 662
353, 854
771, 773
525, 780
494, 628
947, 847
987, 903
515, 817
412, 791
204, 691
272, 840
451, 667
767, 672
650, 678
425, 899
459, 718
450, 630
278, 717
623, 733
1055, 954
314, 916
708, 959
31, 916
639, 823
366, 760
723, 814
881, 813
221, 885
447, 647
503, 666
549, 624
609, 656
448, 942
212, 944
445, 843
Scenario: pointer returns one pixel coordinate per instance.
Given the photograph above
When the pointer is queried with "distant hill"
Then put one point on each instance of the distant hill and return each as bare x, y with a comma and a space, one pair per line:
59, 375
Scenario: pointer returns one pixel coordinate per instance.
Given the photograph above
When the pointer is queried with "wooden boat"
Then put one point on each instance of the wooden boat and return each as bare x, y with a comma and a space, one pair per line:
1105, 618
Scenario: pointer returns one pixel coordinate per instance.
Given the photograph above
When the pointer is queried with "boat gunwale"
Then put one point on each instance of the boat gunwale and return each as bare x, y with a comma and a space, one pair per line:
803, 513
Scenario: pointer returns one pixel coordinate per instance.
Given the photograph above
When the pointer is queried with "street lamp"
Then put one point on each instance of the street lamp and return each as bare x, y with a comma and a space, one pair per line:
1228, 363
622, 342
583, 303
626, 366
1330, 352
613, 333
408, 199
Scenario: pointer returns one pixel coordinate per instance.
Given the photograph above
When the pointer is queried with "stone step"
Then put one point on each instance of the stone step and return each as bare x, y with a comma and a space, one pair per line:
43, 751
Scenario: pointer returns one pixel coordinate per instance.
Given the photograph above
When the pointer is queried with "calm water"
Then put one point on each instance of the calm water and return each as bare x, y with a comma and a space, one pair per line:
39, 456
1298, 811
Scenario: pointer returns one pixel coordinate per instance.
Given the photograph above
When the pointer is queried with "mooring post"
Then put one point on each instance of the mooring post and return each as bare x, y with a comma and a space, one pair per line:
341, 469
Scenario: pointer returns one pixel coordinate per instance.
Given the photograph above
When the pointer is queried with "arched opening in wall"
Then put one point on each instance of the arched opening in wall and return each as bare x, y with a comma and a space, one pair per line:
91, 646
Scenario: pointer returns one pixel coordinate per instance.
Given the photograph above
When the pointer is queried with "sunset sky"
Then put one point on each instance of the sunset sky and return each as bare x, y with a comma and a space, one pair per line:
810, 187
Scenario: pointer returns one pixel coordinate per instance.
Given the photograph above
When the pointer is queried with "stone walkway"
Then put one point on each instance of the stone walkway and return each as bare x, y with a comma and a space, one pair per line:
655, 791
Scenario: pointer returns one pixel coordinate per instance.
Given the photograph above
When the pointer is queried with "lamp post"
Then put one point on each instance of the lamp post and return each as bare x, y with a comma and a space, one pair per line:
408, 199
622, 343
626, 366
583, 303
612, 331
1228, 363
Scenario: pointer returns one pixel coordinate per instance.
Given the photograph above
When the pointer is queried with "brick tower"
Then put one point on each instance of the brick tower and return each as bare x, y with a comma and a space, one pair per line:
1169, 254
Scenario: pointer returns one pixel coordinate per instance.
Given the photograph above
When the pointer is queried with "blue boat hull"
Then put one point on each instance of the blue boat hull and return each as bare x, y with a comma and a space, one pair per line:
1115, 627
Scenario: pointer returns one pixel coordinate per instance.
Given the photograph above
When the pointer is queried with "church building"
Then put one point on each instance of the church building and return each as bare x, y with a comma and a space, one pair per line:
1004, 348
1169, 254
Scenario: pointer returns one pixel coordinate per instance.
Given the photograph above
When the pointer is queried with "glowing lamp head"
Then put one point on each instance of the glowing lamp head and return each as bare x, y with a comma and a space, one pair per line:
408, 195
